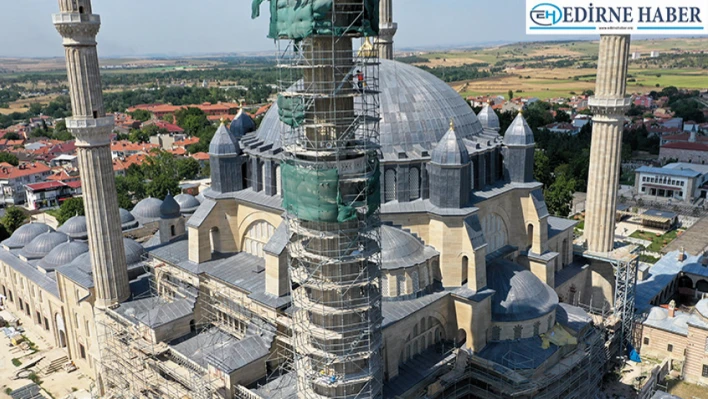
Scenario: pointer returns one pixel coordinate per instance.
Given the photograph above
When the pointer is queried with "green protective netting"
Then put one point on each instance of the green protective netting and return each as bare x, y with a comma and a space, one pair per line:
313, 195
298, 19
291, 110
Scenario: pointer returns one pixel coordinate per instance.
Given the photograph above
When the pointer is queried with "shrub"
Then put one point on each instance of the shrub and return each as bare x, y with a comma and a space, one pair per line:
16, 362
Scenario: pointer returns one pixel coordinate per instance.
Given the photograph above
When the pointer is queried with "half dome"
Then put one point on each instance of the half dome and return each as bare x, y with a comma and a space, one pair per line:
63, 255
400, 249
133, 251
416, 108
25, 234
127, 220
519, 295
43, 244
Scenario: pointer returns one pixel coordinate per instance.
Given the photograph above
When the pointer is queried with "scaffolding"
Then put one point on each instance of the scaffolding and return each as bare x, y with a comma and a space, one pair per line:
329, 105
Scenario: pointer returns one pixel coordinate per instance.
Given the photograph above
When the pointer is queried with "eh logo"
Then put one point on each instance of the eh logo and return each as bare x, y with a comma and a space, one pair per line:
546, 14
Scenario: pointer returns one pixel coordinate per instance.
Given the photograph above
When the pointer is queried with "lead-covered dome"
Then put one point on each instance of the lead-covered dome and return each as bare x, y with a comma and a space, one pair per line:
169, 209
400, 249
127, 220
75, 228
416, 108
242, 124
63, 255
25, 234
147, 210
450, 150
188, 204
42, 244
133, 251
519, 294
488, 118
224, 142
519, 132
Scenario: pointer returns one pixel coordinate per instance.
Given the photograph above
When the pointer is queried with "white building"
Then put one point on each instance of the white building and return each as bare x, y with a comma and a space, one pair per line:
50, 194
680, 181
636, 55
13, 179
654, 54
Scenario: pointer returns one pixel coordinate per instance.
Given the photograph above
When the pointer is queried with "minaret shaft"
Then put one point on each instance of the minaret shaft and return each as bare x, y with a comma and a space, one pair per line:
609, 105
79, 27
387, 30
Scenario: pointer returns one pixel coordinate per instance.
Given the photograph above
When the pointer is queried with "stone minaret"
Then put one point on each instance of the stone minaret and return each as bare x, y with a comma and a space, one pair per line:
609, 106
78, 27
387, 29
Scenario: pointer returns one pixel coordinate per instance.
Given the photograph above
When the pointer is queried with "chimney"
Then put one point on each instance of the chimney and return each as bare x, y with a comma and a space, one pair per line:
672, 309
682, 255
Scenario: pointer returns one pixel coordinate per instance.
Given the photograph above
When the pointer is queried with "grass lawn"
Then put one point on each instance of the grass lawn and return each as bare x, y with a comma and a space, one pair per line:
657, 243
686, 390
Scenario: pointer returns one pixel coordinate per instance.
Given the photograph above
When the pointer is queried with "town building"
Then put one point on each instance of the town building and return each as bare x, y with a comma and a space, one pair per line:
14, 178
686, 147
677, 181
51, 193
562, 128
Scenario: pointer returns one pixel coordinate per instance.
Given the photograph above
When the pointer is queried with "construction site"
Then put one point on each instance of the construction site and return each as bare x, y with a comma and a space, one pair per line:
372, 238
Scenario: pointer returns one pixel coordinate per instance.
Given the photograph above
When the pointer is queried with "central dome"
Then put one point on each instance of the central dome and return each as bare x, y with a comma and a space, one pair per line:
416, 109
519, 295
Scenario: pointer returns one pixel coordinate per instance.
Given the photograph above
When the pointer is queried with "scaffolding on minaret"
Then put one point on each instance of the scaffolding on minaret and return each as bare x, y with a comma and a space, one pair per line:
329, 104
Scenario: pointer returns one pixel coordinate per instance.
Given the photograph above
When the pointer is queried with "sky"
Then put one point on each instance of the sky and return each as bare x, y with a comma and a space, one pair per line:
186, 27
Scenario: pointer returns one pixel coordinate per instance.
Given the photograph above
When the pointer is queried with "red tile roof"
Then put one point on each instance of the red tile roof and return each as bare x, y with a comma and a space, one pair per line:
201, 156
127, 146
23, 170
186, 142
687, 146
44, 186
123, 164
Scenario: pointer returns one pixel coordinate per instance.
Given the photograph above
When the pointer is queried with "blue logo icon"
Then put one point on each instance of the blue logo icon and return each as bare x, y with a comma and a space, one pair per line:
546, 14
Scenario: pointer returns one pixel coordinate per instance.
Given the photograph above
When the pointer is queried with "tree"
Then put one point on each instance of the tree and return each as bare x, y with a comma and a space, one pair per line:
141, 115
70, 208
510, 94
187, 168
192, 120
160, 186
9, 158
11, 136
559, 196
13, 219
138, 136
562, 117
542, 168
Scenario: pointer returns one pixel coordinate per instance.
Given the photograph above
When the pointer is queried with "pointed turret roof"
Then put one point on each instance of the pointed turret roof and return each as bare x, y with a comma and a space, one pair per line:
224, 142
450, 150
488, 118
242, 125
169, 208
519, 133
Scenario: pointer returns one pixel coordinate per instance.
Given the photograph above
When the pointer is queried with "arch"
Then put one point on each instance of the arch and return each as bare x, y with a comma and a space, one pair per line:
702, 285
461, 338
215, 239
465, 265
262, 176
414, 183
685, 282
518, 330
173, 232
529, 235
61, 329
192, 326
495, 232
416, 281
390, 184
256, 237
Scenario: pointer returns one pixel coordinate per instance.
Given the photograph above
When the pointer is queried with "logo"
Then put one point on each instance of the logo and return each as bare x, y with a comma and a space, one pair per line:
616, 17
546, 14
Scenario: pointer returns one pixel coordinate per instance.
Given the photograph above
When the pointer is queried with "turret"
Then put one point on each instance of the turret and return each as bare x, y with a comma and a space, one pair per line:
488, 118
518, 151
226, 161
450, 172
171, 220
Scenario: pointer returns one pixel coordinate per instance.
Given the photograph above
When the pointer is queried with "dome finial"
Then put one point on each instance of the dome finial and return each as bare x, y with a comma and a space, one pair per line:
452, 123
521, 110
222, 120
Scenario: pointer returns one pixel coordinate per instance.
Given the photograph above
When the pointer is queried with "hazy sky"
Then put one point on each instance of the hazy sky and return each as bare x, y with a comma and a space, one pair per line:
177, 27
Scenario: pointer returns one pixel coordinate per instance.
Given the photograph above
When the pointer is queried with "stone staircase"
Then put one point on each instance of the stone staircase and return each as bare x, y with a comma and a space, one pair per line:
47, 366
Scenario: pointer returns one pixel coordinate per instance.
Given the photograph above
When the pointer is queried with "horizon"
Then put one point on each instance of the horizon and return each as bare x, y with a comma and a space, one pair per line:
189, 29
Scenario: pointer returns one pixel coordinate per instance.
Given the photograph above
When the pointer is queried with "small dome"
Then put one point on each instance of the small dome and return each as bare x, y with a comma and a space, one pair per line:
62, 255
657, 313
702, 307
519, 294
224, 143
169, 209
133, 251
127, 220
75, 228
401, 249
147, 210
187, 203
43, 244
200, 197
519, 132
25, 234
488, 118
450, 150
242, 125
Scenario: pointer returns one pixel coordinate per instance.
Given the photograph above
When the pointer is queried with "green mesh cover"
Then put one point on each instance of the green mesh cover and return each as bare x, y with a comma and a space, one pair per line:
298, 19
291, 110
313, 195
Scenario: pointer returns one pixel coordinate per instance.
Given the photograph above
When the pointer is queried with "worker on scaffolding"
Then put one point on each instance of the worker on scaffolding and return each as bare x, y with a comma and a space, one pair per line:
360, 82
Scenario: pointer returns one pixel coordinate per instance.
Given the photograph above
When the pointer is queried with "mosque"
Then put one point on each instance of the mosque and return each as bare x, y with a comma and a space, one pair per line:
479, 282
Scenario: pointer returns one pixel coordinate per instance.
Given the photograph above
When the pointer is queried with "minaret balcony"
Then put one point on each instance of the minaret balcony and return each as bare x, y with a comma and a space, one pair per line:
90, 132
75, 17
611, 105
77, 29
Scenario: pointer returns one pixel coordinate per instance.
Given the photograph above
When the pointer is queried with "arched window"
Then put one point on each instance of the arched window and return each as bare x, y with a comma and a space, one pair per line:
390, 185
414, 180
278, 181
262, 177
518, 329
215, 239
401, 280
172, 230
465, 264
529, 231
256, 237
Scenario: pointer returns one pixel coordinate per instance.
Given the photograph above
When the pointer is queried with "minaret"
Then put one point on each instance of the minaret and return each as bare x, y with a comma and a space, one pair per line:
78, 27
387, 29
609, 105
